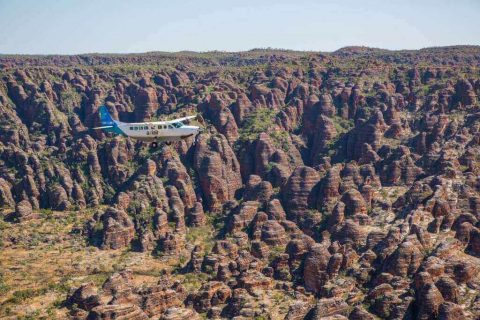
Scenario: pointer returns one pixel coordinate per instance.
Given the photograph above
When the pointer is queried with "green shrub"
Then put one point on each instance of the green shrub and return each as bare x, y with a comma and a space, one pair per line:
255, 123
342, 125
3, 286
25, 294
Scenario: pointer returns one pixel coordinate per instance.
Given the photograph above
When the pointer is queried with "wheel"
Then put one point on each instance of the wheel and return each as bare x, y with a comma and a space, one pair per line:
195, 139
153, 145
168, 143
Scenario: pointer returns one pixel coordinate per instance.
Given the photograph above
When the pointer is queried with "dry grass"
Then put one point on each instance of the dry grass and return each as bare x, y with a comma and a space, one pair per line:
42, 260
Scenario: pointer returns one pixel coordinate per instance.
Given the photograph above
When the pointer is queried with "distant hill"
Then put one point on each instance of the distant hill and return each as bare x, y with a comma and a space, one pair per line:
452, 55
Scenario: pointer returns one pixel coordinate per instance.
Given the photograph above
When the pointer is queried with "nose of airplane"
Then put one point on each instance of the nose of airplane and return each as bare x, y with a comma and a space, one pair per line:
194, 129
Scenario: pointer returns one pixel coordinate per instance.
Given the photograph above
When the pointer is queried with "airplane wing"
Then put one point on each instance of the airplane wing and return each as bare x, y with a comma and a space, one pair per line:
104, 127
182, 119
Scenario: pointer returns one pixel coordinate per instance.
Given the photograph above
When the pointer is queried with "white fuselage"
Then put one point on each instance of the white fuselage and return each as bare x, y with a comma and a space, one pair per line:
157, 131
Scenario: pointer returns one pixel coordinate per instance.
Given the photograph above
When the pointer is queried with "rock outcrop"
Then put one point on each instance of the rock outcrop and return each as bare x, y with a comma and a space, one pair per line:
314, 191
218, 170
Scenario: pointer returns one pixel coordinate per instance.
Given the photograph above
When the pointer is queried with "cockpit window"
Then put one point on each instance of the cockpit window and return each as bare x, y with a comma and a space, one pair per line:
177, 124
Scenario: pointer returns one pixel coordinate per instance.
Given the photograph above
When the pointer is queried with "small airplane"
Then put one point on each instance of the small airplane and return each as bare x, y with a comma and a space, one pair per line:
153, 132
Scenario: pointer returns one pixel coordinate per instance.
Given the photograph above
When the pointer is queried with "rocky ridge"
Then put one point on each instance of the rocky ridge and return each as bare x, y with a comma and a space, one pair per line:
352, 190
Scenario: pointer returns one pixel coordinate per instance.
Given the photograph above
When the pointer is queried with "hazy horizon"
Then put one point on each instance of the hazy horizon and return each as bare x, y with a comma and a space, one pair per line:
121, 27
224, 51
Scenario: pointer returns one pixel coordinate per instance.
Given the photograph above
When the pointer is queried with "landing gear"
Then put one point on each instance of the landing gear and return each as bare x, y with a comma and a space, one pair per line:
153, 145
195, 140
168, 143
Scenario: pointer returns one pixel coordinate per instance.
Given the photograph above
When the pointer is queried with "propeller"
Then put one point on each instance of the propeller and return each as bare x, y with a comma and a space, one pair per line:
200, 119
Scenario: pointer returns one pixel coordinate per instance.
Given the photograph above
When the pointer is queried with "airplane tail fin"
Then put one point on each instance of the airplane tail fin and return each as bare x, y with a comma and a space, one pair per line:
105, 117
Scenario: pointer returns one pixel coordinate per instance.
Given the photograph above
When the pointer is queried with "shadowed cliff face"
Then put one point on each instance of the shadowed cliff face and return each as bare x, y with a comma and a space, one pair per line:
340, 184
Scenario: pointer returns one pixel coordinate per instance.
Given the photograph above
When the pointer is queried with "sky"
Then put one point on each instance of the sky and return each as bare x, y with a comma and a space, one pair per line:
120, 26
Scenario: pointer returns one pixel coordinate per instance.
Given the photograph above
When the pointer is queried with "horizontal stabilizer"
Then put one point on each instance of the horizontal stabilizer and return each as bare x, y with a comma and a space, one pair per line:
104, 127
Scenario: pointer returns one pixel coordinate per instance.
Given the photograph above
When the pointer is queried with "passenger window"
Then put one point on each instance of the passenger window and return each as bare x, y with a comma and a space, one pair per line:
136, 128
131, 128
